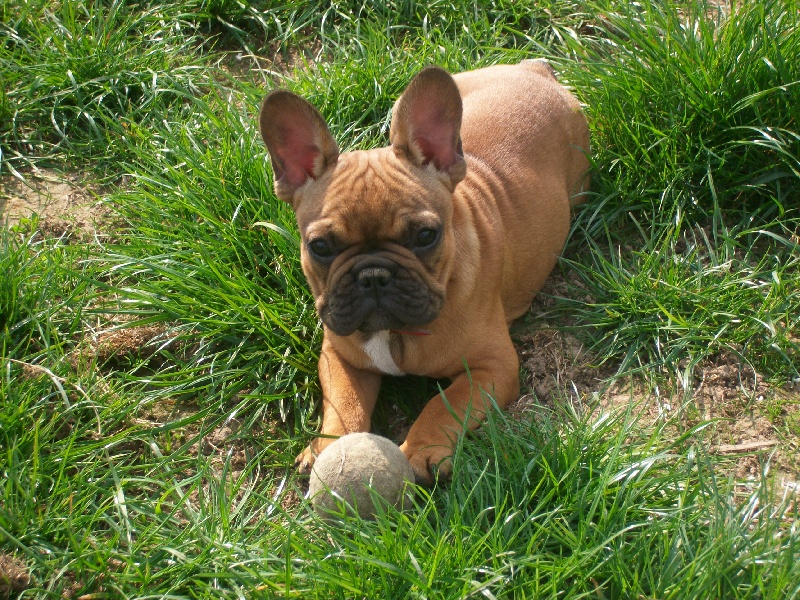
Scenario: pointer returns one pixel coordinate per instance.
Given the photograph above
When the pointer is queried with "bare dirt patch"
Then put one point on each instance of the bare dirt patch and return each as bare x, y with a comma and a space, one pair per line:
64, 203
753, 423
14, 577
141, 341
554, 361
273, 65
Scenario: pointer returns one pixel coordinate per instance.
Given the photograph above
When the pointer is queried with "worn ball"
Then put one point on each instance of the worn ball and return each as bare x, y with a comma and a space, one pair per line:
352, 466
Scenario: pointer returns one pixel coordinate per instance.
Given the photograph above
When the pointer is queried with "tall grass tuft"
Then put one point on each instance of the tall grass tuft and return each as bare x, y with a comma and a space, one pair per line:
41, 298
77, 75
692, 233
208, 255
694, 104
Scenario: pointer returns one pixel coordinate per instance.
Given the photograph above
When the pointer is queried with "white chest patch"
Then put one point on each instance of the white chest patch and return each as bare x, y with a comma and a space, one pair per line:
377, 348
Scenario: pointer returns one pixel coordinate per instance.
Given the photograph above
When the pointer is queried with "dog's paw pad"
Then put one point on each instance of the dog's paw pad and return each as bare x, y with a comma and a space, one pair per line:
304, 461
431, 467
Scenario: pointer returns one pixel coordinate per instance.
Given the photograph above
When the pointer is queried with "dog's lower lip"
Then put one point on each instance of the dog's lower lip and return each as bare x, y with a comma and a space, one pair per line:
382, 320
383, 324
418, 332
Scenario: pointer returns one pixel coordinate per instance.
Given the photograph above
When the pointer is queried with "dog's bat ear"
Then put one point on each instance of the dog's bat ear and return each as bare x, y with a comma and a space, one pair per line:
298, 140
426, 123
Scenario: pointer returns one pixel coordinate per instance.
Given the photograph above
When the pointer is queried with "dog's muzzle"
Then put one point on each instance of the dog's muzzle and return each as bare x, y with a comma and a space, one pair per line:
376, 294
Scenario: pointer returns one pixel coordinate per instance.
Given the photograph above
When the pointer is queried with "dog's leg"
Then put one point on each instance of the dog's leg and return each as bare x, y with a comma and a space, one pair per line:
461, 406
348, 399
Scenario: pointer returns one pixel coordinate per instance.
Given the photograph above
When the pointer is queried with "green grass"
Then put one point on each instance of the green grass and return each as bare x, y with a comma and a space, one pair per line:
693, 243
587, 510
75, 75
165, 470
685, 294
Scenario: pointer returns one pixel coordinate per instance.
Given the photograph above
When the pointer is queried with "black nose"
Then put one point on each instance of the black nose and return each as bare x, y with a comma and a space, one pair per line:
374, 278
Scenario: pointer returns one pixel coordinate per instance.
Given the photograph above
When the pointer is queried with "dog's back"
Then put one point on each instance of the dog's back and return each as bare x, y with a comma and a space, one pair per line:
519, 115
525, 137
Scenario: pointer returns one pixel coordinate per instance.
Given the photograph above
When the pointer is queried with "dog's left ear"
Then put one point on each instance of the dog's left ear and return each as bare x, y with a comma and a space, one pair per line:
300, 145
426, 123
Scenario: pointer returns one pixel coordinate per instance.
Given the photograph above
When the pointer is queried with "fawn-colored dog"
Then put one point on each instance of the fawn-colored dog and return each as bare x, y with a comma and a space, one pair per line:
420, 254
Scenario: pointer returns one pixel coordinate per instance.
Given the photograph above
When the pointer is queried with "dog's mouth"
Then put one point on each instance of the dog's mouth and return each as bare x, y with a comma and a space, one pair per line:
378, 294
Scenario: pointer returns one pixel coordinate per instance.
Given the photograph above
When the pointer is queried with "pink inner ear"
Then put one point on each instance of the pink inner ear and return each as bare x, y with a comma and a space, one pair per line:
299, 161
434, 131
437, 148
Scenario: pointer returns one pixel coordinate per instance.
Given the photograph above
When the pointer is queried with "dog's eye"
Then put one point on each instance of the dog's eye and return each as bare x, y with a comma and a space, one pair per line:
426, 237
320, 248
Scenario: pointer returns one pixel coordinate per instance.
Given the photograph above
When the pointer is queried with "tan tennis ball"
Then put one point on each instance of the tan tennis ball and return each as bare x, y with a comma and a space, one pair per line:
350, 466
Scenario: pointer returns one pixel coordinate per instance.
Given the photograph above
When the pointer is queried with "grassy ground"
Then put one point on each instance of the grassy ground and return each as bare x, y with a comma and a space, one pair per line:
158, 377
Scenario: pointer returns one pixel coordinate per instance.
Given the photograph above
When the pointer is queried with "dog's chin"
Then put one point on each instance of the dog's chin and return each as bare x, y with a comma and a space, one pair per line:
378, 320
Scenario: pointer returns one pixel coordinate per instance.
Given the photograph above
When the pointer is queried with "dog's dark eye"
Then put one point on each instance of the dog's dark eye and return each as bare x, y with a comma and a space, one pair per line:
426, 237
320, 248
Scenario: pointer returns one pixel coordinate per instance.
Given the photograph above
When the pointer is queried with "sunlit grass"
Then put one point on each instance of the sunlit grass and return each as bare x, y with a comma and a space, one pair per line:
165, 471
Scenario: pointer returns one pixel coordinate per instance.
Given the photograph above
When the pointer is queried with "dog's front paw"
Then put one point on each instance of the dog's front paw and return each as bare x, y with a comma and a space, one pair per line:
430, 463
305, 460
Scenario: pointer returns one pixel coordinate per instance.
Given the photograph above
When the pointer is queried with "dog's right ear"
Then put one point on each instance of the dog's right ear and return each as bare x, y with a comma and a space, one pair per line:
426, 123
298, 140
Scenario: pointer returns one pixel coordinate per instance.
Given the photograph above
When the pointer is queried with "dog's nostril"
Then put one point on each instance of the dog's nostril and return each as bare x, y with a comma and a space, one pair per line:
374, 277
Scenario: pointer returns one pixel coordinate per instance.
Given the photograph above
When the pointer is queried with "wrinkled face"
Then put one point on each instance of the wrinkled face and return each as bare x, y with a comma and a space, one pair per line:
376, 226
377, 242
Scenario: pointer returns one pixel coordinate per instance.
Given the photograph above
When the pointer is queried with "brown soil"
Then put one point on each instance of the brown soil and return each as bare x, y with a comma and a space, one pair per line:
14, 577
754, 425
274, 65
65, 203
139, 341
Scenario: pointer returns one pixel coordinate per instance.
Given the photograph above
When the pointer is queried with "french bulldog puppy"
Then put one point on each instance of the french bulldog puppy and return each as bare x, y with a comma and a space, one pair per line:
420, 254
